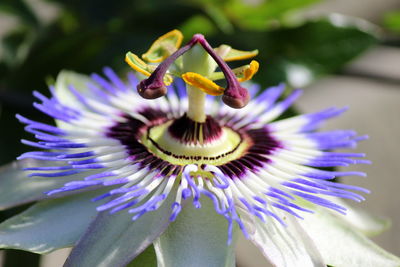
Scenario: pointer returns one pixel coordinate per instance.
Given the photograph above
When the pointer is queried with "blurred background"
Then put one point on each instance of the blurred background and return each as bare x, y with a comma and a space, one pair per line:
343, 53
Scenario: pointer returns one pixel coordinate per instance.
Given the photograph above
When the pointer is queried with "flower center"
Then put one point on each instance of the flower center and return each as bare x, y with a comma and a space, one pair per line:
168, 144
184, 141
194, 138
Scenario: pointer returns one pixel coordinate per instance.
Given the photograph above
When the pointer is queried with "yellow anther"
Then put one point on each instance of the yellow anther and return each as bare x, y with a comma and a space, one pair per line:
229, 54
243, 73
168, 79
249, 72
163, 47
140, 66
137, 64
204, 84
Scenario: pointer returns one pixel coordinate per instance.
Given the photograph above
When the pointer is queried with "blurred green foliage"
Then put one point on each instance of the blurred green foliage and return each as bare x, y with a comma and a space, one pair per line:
391, 21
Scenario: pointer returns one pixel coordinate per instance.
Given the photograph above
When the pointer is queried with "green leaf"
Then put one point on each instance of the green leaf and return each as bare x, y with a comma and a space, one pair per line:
51, 224
250, 15
21, 10
114, 239
340, 245
391, 21
15, 46
301, 54
198, 237
219, 18
258, 16
196, 24
16, 188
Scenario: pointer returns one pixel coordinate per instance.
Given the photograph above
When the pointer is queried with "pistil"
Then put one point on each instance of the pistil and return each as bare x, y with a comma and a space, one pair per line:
234, 96
154, 87
198, 61
196, 104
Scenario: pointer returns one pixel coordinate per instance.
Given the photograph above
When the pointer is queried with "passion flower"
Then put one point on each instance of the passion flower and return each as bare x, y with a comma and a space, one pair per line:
192, 141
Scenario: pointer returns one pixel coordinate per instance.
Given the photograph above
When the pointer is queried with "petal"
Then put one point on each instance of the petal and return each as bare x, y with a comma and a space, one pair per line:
197, 238
16, 188
114, 239
342, 246
64, 80
364, 222
50, 225
284, 246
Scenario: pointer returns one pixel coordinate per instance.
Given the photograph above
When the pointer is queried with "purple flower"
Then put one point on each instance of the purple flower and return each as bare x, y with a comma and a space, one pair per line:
151, 160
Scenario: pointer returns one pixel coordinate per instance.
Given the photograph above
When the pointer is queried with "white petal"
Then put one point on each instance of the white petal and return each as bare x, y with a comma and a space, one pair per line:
285, 246
69, 78
341, 246
368, 224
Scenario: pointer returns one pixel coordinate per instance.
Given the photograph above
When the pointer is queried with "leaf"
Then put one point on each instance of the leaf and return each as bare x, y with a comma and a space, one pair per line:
391, 21
259, 15
114, 239
21, 10
198, 237
16, 188
196, 24
301, 54
219, 17
51, 224
341, 246
250, 15
15, 46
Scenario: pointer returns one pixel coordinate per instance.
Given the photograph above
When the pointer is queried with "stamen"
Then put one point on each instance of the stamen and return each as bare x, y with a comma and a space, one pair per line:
163, 47
140, 66
229, 54
204, 84
243, 73
248, 73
